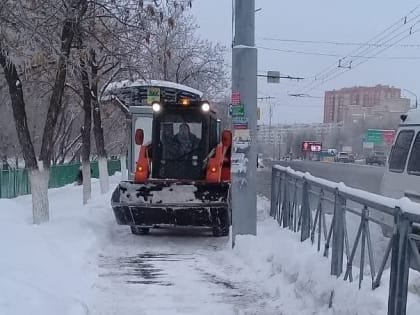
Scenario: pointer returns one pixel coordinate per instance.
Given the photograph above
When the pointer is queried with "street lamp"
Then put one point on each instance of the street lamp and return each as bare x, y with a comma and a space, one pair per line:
412, 93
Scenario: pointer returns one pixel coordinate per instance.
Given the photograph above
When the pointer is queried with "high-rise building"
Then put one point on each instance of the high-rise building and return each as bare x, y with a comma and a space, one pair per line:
345, 104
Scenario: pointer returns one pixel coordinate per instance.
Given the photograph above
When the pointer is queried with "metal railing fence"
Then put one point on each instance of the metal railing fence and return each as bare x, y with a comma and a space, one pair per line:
15, 182
320, 210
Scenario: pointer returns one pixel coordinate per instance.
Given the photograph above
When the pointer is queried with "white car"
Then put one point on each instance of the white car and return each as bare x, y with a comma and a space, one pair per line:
402, 174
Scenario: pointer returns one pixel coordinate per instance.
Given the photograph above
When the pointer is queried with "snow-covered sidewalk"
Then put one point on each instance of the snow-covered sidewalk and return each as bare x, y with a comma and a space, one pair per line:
81, 262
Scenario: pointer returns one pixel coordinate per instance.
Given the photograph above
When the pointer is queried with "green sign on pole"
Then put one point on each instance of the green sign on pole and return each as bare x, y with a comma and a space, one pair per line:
238, 110
375, 136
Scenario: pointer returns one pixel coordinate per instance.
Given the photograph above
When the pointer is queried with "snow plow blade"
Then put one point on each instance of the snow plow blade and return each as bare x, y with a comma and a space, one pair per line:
174, 203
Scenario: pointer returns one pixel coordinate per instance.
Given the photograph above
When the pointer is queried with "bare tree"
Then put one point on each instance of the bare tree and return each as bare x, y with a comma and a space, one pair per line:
26, 25
124, 27
86, 130
176, 53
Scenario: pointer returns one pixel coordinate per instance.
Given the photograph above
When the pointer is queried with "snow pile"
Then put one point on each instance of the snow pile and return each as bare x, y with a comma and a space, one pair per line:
145, 193
152, 83
55, 268
49, 269
297, 277
177, 193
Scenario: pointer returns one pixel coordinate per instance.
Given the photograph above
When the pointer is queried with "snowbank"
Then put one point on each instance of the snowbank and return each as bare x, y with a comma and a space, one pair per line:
53, 268
49, 269
297, 277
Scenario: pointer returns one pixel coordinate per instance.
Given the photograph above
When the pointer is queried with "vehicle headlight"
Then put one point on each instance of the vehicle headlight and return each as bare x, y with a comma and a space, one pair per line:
205, 107
156, 107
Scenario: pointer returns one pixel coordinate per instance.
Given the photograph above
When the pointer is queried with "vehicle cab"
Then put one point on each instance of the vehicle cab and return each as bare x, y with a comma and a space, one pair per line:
402, 174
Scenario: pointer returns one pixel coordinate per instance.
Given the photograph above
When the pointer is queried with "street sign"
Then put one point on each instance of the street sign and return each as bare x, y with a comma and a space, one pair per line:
368, 145
311, 146
388, 136
236, 98
238, 110
240, 122
380, 137
375, 136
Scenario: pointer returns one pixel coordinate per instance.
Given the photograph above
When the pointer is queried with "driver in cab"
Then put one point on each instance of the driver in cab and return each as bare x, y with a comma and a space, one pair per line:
186, 141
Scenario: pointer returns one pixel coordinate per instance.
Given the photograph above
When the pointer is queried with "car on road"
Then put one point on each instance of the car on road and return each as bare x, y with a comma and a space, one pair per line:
402, 174
376, 157
342, 157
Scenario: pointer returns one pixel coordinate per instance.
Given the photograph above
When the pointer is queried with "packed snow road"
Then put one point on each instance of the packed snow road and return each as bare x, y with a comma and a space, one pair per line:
82, 262
173, 272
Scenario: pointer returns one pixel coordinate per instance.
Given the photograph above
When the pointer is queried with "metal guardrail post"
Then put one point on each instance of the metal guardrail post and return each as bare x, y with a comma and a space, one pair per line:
400, 265
285, 213
281, 193
338, 235
305, 212
294, 210
275, 191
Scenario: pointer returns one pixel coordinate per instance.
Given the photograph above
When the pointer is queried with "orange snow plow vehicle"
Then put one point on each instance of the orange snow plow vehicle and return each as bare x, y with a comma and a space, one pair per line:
182, 175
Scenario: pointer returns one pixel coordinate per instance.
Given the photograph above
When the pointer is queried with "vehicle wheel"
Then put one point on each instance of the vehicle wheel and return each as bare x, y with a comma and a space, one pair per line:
139, 230
221, 228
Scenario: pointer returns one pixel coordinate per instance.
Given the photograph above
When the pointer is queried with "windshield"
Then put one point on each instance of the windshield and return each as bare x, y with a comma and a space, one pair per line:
181, 143
179, 140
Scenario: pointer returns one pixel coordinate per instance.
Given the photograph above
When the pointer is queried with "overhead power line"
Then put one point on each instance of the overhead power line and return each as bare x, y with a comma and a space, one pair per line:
376, 40
367, 51
360, 63
313, 53
336, 43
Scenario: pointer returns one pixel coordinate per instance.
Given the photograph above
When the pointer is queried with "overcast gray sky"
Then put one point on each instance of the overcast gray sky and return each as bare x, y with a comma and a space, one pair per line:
347, 22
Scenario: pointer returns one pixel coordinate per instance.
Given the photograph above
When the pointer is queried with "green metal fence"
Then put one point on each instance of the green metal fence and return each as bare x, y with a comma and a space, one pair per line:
15, 183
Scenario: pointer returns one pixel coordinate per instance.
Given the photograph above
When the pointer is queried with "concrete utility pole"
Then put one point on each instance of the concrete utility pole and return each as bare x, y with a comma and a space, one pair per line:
244, 122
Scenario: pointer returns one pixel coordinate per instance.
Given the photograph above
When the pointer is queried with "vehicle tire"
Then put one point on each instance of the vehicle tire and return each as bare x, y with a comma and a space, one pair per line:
139, 230
221, 227
221, 230
224, 230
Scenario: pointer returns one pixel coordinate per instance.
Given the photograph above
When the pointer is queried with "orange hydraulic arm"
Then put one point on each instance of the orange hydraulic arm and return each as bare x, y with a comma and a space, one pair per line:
218, 168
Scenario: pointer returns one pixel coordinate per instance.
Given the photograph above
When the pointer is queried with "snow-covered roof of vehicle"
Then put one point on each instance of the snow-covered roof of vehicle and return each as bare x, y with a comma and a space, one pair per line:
151, 83
412, 117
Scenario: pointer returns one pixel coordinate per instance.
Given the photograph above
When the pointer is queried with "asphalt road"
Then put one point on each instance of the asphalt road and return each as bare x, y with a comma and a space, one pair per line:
359, 176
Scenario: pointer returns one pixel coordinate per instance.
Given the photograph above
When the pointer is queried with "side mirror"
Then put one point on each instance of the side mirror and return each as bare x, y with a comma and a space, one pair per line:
227, 138
139, 137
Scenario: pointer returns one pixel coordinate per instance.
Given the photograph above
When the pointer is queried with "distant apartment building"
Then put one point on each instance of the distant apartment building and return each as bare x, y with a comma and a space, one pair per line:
351, 104
277, 133
276, 140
